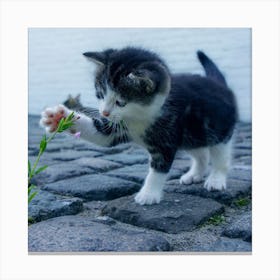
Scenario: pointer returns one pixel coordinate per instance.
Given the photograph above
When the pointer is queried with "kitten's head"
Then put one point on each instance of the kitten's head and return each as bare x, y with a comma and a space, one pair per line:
73, 102
129, 82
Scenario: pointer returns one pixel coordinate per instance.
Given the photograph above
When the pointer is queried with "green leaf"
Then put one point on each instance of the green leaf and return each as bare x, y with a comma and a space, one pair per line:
31, 220
31, 196
29, 168
42, 168
66, 126
70, 117
43, 144
60, 124
30, 188
65, 123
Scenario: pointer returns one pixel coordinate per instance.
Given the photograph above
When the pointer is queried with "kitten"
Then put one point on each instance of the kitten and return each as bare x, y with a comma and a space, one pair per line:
141, 101
73, 103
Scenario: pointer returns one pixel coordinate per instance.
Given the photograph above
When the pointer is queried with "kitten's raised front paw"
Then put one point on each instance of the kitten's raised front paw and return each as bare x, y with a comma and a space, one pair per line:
51, 117
190, 178
215, 182
148, 197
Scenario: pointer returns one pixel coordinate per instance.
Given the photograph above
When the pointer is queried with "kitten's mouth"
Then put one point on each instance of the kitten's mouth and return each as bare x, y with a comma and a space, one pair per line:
111, 118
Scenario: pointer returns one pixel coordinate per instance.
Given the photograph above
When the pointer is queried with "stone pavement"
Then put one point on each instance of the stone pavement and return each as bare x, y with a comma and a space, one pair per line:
85, 201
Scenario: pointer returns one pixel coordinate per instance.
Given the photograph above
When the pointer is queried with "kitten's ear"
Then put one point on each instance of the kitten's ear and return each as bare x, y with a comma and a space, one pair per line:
97, 57
142, 78
78, 97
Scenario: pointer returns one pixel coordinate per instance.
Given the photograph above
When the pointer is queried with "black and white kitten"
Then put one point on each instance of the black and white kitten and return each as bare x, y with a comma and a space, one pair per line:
141, 101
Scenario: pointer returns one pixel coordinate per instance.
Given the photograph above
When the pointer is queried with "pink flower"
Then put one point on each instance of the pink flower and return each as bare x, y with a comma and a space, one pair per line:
77, 135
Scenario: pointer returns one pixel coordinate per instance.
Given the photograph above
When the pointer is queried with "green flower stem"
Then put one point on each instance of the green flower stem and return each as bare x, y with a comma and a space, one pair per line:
34, 167
38, 158
64, 124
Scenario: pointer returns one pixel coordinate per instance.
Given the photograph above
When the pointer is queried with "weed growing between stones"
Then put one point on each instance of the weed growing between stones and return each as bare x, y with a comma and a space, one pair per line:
244, 201
216, 220
63, 125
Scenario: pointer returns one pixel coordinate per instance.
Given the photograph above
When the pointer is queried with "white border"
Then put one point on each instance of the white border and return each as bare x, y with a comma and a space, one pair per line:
18, 16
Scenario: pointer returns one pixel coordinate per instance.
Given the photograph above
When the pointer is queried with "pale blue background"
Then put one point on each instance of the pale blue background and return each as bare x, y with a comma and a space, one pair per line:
57, 67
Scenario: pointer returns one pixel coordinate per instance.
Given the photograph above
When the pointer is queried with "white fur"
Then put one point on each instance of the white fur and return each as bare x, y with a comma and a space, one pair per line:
200, 161
108, 102
220, 158
83, 124
152, 190
138, 117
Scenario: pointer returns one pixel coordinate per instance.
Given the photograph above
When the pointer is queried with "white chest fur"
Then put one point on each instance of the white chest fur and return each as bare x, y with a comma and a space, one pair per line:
140, 117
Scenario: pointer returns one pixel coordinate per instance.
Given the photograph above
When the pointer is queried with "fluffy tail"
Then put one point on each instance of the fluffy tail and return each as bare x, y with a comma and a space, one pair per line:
210, 68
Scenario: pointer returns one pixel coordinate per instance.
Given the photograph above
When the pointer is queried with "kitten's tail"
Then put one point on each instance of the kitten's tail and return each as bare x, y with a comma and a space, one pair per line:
211, 69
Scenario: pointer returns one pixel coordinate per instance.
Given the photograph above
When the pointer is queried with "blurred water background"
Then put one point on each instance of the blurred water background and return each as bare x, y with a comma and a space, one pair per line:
57, 67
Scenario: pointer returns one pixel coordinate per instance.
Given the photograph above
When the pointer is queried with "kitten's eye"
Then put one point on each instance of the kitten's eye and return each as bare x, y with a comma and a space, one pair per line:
120, 103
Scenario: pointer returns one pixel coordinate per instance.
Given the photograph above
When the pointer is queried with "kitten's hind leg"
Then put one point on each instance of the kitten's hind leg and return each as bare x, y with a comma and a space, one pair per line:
200, 161
220, 156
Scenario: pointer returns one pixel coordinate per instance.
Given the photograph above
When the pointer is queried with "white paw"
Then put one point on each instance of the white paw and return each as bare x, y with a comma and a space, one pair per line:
148, 196
190, 178
51, 117
215, 182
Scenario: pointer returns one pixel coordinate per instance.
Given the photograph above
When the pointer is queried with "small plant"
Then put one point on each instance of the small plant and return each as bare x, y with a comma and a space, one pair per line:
216, 220
242, 202
63, 125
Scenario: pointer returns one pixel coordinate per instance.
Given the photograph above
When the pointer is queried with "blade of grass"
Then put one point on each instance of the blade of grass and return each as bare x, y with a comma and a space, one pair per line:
32, 196
42, 168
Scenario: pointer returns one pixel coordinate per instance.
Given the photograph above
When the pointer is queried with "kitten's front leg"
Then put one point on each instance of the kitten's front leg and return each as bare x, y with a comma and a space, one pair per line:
152, 190
83, 124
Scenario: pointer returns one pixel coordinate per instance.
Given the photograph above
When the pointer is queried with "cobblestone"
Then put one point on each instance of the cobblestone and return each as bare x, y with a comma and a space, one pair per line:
85, 201
47, 205
240, 228
174, 214
235, 189
93, 187
76, 234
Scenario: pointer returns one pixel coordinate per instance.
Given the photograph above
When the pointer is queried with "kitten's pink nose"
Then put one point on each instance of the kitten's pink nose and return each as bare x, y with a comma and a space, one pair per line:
105, 113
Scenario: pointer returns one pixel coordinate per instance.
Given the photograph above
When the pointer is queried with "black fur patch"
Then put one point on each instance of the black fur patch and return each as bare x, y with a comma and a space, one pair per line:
136, 74
198, 111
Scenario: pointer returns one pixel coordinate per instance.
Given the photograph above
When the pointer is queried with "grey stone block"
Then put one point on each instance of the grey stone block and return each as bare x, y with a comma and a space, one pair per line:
93, 187
74, 168
241, 227
240, 174
110, 150
234, 190
82, 234
224, 244
244, 145
174, 214
181, 164
67, 155
136, 173
43, 161
61, 171
244, 161
237, 153
176, 173
97, 164
128, 159
46, 205
53, 146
